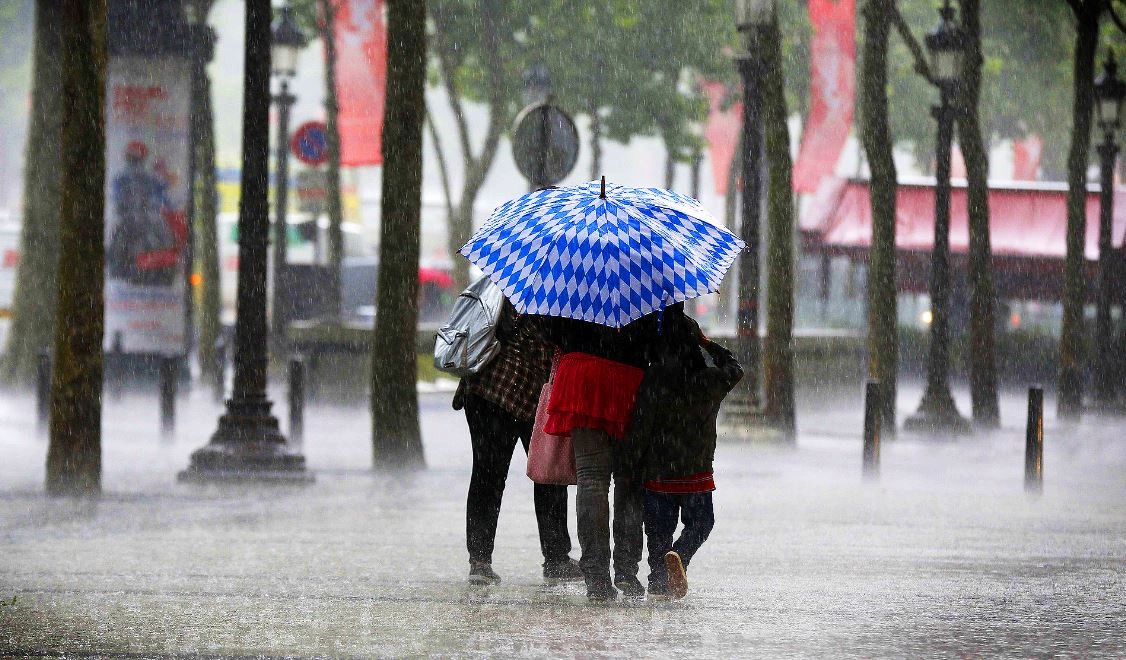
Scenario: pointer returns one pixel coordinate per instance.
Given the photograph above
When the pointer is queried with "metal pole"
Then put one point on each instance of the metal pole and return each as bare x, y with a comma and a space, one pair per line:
116, 367
296, 399
1105, 361
745, 397
284, 101
220, 384
872, 429
43, 389
248, 443
1034, 442
169, 368
937, 411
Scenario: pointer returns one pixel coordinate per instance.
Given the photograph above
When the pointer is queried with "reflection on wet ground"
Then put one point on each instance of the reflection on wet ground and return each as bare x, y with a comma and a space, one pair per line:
944, 555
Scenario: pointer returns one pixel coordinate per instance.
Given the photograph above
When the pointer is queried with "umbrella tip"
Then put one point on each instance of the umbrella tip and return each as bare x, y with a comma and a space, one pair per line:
603, 195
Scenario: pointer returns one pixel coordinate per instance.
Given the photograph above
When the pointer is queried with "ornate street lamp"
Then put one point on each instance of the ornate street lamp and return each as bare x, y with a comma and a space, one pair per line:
286, 40
751, 18
248, 445
937, 412
1109, 95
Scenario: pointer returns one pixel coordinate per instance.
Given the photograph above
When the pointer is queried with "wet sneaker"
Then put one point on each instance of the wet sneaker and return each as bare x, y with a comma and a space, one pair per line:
561, 571
678, 581
481, 574
630, 586
601, 592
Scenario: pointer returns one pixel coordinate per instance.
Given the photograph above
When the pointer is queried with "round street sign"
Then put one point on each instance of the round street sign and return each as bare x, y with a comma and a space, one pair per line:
545, 144
310, 143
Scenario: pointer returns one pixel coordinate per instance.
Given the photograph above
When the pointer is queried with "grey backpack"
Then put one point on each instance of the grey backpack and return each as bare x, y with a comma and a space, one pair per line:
468, 340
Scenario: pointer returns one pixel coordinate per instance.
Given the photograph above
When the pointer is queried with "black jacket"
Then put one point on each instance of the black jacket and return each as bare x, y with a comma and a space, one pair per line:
627, 344
672, 432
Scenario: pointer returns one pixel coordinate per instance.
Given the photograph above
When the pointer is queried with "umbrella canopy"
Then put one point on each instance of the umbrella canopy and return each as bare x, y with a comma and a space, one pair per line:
603, 253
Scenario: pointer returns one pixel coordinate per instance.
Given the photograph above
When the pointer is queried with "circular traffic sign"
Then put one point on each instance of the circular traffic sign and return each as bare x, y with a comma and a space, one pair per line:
545, 144
310, 143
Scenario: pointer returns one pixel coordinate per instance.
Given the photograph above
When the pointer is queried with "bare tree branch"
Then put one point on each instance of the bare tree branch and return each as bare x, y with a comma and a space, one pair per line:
921, 66
446, 71
442, 169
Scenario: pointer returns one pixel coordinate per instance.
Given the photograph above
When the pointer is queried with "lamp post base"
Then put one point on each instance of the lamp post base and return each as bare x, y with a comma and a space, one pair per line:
248, 446
937, 414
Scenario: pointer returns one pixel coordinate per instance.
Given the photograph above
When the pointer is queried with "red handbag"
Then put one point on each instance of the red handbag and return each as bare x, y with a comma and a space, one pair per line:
550, 457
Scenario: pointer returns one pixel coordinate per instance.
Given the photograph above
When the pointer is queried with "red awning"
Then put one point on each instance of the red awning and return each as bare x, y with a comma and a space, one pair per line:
1028, 225
1026, 220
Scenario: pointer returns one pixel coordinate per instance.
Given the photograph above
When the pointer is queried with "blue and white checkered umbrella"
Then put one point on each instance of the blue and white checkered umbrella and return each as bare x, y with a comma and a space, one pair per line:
603, 253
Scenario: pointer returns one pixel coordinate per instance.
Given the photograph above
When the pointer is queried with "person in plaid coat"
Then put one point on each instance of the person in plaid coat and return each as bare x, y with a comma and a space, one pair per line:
500, 408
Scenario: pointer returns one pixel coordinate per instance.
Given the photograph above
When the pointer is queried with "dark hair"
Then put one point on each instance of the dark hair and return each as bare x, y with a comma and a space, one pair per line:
678, 339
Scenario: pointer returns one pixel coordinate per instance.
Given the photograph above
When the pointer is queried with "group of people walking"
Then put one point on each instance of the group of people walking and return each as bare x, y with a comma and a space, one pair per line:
639, 404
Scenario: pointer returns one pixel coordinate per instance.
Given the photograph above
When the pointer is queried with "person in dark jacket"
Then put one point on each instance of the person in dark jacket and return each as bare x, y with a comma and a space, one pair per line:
672, 437
500, 408
592, 401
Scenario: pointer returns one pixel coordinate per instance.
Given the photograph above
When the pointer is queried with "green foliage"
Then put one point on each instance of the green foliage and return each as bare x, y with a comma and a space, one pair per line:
1026, 77
636, 62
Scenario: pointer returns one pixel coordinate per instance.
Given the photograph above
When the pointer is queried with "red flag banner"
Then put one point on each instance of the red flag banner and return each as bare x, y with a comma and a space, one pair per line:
832, 91
1026, 158
361, 78
721, 132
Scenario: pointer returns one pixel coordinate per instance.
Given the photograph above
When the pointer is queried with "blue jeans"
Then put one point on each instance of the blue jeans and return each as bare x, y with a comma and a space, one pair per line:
661, 513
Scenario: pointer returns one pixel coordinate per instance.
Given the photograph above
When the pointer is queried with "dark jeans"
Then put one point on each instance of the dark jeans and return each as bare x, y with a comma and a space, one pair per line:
595, 456
661, 512
493, 432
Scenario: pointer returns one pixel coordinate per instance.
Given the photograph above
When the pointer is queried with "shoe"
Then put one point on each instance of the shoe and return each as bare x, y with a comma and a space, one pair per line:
601, 592
659, 591
481, 574
559, 572
630, 586
678, 581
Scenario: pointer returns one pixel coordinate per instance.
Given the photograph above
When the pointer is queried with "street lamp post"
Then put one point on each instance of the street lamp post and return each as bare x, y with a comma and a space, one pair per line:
1109, 95
286, 40
937, 412
752, 16
248, 444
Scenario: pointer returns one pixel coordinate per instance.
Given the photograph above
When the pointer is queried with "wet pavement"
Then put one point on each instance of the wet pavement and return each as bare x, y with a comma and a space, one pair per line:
944, 555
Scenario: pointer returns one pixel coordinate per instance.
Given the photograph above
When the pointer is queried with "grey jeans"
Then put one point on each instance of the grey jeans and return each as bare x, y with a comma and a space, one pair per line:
595, 454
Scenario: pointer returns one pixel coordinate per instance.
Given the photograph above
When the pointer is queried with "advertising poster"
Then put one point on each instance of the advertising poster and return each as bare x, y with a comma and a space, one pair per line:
147, 118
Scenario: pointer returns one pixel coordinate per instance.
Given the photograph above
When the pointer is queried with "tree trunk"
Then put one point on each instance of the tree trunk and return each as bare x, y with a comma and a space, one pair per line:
1071, 331
74, 461
778, 347
670, 160
396, 437
983, 295
332, 174
206, 216
730, 204
875, 135
595, 141
475, 167
34, 299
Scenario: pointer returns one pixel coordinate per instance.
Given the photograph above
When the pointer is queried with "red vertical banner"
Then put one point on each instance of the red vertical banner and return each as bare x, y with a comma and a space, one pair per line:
721, 131
832, 91
1026, 158
361, 79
